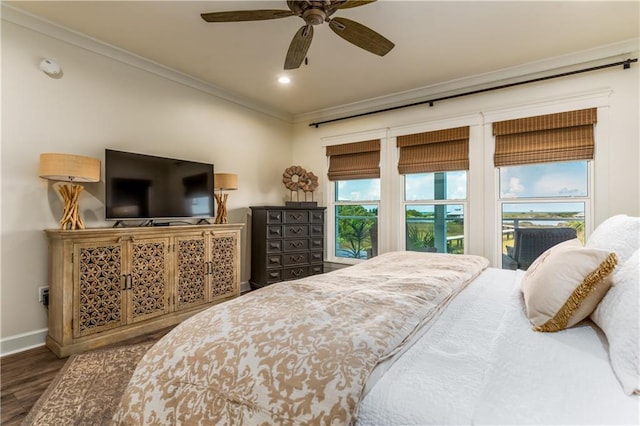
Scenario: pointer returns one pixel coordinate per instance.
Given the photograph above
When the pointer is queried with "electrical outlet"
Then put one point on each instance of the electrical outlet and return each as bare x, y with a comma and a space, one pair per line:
43, 292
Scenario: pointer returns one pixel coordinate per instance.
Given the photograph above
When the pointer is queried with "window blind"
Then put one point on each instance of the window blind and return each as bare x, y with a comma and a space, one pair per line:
563, 136
358, 160
436, 151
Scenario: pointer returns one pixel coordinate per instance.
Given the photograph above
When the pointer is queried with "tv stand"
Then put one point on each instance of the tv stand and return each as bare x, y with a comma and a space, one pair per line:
107, 285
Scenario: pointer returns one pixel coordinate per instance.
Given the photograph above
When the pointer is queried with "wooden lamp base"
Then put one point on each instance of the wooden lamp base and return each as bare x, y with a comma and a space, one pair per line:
71, 217
221, 212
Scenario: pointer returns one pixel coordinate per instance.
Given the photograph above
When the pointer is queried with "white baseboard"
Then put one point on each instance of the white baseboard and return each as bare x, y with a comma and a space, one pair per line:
22, 342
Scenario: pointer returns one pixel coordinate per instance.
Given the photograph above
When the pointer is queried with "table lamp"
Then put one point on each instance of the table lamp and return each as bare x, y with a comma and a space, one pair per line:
70, 168
223, 182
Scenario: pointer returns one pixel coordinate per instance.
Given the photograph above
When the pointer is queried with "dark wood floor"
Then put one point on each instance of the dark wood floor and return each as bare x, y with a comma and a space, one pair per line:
25, 376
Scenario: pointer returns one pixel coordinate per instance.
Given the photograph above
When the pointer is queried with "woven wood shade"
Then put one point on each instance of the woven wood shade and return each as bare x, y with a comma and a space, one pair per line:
437, 151
563, 136
358, 160
69, 168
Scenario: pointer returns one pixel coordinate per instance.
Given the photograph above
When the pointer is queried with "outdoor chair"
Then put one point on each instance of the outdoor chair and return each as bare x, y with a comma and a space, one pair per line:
529, 243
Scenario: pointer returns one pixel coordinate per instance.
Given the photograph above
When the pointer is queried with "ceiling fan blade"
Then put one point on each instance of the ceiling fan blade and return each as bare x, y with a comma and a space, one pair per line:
353, 3
246, 15
298, 47
361, 36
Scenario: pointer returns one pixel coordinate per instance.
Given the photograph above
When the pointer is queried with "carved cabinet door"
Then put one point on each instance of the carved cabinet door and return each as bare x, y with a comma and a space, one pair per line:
147, 278
223, 273
98, 284
191, 268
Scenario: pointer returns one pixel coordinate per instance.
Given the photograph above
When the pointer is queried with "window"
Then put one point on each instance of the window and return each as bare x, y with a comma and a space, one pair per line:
354, 169
543, 196
356, 217
543, 168
432, 221
434, 165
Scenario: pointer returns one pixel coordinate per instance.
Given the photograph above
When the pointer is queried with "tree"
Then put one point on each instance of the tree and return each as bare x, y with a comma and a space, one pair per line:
354, 223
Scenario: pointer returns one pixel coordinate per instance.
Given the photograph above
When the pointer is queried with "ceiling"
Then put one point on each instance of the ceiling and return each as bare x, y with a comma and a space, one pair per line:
436, 42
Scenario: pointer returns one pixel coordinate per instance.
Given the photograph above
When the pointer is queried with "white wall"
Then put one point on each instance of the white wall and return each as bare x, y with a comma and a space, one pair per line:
102, 103
616, 166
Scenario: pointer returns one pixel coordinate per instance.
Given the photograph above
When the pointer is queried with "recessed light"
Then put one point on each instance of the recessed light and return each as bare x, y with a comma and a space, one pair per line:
284, 80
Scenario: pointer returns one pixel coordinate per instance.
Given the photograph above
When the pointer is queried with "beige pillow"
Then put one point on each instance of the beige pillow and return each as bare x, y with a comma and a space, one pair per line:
565, 284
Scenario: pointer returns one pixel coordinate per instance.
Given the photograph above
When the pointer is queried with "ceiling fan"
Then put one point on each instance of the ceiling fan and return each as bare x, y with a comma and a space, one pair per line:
313, 13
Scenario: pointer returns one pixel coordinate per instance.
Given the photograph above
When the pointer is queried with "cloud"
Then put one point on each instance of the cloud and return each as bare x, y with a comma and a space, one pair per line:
515, 188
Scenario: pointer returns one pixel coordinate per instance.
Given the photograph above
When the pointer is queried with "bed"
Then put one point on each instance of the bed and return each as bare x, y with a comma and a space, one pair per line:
418, 339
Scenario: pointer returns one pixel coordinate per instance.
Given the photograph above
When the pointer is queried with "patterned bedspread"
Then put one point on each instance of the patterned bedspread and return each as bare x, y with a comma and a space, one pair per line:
296, 352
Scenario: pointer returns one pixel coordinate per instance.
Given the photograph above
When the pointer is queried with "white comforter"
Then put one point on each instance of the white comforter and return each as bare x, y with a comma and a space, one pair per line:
481, 363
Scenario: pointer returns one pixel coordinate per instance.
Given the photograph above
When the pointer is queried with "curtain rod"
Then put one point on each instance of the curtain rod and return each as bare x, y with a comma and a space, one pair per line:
626, 64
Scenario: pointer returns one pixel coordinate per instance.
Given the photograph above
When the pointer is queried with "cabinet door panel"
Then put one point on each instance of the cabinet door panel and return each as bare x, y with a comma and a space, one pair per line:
191, 264
224, 278
148, 293
98, 282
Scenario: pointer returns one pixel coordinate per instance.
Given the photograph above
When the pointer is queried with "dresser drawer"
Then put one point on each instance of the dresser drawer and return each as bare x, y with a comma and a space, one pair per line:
274, 231
317, 217
274, 275
295, 272
317, 257
274, 261
316, 269
291, 259
317, 230
317, 244
296, 216
274, 246
296, 244
296, 231
274, 216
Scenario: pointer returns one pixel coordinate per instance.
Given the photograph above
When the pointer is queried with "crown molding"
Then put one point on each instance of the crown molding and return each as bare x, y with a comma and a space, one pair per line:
572, 61
565, 63
58, 32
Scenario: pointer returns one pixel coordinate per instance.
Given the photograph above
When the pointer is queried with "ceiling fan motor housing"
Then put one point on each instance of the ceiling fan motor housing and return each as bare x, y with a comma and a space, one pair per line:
314, 16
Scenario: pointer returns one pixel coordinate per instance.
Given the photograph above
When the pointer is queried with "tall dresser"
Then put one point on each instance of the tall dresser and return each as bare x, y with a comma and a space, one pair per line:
286, 243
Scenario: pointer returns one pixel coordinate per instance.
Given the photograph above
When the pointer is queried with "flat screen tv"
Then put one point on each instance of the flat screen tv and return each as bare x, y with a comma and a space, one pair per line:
142, 186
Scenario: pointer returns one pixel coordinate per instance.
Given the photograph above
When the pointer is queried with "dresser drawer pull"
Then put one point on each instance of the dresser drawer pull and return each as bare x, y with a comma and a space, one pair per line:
296, 244
297, 273
296, 230
274, 275
296, 216
296, 258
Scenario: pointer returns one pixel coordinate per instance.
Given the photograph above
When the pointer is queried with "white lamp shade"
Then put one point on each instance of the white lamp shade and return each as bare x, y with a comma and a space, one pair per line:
225, 181
70, 168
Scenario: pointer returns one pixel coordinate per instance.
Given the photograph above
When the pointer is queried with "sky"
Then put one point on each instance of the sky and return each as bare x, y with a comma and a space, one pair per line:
564, 179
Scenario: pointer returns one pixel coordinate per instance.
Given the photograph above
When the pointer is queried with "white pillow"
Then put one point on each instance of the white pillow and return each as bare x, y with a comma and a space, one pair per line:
565, 283
617, 315
619, 233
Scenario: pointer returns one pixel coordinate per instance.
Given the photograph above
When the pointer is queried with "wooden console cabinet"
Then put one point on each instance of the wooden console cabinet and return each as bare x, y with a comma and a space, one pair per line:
110, 284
